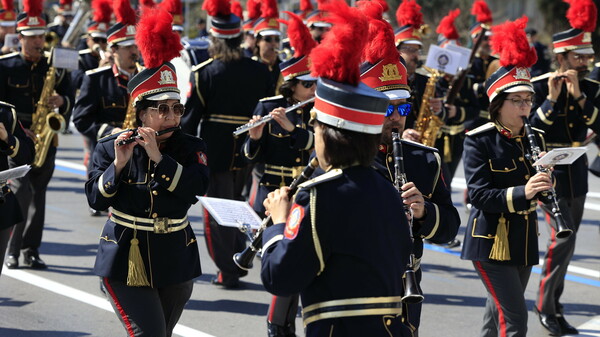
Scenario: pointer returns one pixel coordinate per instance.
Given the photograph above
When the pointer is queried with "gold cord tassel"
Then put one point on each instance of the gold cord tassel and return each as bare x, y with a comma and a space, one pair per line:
500, 250
447, 151
136, 273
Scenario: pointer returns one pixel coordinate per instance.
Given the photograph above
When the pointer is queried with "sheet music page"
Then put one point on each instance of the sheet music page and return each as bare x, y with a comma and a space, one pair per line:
231, 213
14, 173
561, 156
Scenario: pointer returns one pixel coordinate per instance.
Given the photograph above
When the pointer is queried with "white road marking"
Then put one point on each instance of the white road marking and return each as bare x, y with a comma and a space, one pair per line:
84, 297
590, 328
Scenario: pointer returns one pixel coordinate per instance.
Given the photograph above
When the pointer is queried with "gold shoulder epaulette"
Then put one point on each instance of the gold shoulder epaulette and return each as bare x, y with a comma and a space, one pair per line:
271, 98
7, 104
203, 64
97, 70
328, 176
9, 55
591, 80
85, 51
542, 77
423, 72
47, 54
419, 145
484, 127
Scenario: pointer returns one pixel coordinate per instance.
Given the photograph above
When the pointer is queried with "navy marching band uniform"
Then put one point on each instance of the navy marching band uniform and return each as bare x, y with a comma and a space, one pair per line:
87, 61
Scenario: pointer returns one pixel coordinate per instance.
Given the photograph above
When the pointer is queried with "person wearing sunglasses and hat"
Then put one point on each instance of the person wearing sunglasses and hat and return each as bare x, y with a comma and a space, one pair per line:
267, 42
501, 238
425, 192
148, 254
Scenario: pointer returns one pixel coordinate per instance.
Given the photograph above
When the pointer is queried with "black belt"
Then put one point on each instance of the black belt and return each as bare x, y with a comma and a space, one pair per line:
351, 307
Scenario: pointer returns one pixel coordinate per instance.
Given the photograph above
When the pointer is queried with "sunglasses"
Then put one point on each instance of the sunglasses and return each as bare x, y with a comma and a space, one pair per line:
403, 109
164, 109
270, 39
99, 40
308, 84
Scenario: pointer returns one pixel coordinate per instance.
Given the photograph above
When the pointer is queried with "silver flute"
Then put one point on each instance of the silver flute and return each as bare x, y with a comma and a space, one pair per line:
243, 128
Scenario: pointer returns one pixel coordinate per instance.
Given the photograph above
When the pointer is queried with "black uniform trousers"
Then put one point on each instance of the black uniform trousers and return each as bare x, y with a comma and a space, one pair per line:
31, 194
505, 310
558, 255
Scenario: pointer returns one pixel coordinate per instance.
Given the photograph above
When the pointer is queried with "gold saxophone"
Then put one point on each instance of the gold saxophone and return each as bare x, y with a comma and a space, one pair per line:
45, 122
428, 124
129, 121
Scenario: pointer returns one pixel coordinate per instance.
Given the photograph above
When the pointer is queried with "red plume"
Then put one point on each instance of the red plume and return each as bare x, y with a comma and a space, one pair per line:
380, 45
253, 8
481, 11
172, 6
447, 27
155, 38
269, 9
338, 56
217, 7
237, 10
320, 4
582, 14
383, 4
32, 7
102, 10
409, 13
300, 38
123, 12
146, 5
8, 5
306, 6
65, 2
510, 42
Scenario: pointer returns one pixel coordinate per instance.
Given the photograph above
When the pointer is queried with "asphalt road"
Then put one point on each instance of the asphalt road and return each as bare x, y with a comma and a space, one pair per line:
65, 300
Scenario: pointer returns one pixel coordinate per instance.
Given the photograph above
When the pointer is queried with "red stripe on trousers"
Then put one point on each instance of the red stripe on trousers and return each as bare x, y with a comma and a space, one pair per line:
487, 281
272, 308
119, 307
548, 264
209, 243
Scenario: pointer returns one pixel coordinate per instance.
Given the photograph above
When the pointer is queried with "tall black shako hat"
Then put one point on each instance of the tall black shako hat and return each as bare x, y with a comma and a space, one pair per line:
8, 15
516, 56
582, 15
30, 22
341, 100
223, 23
302, 42
123, 32
158, 45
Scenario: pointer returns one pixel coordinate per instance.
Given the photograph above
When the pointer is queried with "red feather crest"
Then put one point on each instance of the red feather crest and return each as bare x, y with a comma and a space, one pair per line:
147, 4
65, 2
320, 4
306, 6
582, 14
172, 6
481, 11
155, 38
237, 10
123, 12
217, 7
409, 13
300, 38
510, 42
32, 7
269, 9
447, 27
336, 58
384, 5
8, 5
380, 45
102, 10
253, 8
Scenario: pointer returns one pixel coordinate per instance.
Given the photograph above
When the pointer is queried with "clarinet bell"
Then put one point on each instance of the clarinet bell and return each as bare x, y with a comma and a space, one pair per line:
244, 259
412, 292
562, 230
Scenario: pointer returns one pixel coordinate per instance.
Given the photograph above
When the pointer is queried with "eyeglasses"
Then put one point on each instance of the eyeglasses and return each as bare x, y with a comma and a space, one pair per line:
164, 109
518, 102
582, 58
308, 84
99, 40
403, 109
270, 39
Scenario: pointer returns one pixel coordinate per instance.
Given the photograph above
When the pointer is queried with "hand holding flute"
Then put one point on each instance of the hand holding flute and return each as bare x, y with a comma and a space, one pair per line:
257, 121
143, 136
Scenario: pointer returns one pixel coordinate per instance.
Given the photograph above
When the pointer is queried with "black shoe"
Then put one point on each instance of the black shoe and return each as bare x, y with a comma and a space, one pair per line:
565, 327
549, 322
94, 212
12, 262
274, 330
31, 258
453, 243
67, 132
218, 281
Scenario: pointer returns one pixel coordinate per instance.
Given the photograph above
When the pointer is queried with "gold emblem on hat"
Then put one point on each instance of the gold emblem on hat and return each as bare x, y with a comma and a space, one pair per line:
130, 30
522, 74
273, 23
33, 20
166, 77
390, 73
587, 37
9, 15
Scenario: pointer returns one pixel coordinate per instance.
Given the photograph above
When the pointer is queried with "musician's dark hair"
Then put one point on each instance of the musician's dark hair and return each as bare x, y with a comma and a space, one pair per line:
226, 50
286, 89
140, 105
346, 148
496, 104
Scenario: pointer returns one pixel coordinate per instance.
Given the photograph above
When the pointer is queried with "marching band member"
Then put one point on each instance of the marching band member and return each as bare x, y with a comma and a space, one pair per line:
148, 254
22, 76
501, 236
8, 25
335, 246
426, 193
268, 41
567, 105
253, 8
64, 15
284, 146
224, 91
317, 22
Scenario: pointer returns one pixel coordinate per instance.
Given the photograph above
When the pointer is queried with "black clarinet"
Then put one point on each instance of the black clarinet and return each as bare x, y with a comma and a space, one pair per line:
548, 198
412, 291
135, 135
244, 258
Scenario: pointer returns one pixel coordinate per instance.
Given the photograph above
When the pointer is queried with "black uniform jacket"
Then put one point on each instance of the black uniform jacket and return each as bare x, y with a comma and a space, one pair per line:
566, 125
346, 238
20, 150
148, 190
477, 76
21, 84
595, 74
223, 96
422, 165
282, 151
87, 61
102, 102
496, 170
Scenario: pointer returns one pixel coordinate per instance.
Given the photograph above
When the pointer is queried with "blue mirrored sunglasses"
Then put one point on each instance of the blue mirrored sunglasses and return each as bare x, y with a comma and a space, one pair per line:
403, 109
